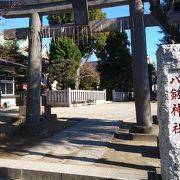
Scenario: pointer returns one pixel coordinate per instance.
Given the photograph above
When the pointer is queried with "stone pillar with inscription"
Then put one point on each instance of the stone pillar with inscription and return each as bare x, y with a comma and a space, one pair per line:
168, 77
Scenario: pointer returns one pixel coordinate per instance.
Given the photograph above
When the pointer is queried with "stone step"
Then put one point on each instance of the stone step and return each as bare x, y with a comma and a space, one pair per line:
135, 136
9, 126
8, 115
11, 120
31, 170
19, 121
144, 137
125, 132
6, 121
123, 135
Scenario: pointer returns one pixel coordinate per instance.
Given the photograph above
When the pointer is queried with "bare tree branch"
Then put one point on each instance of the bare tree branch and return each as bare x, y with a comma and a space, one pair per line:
158, 12
169, 7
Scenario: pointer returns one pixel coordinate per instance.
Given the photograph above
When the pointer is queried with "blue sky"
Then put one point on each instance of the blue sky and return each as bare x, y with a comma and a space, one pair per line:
152, 33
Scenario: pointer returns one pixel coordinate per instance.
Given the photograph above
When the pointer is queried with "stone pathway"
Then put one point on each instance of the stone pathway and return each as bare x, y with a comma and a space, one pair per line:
90, 144
83, 143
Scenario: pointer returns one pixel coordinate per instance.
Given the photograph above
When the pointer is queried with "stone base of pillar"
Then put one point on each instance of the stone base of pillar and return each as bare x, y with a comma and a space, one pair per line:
130, 131
143, 129
39, 129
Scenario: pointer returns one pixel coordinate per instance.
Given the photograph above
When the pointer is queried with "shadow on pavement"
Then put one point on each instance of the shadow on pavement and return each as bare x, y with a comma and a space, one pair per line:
18, 144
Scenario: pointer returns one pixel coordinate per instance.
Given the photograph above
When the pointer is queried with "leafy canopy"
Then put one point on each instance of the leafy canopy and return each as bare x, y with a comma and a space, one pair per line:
64, 48
168, 39
65, 55
95, 42
9, 49
65, 59
89, 76
115, 63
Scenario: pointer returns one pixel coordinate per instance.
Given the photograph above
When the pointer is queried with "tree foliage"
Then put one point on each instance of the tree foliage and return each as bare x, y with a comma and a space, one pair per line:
60, 18
65, 59
9, 49
98, 40
162, 13
115, 64
95, 42
168, 39
89, 76
59, 49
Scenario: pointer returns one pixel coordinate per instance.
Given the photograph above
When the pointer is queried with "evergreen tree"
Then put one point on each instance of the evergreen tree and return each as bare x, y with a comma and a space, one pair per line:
60, 18
57, 49
95, 42
10, 49
115, 64
65, 59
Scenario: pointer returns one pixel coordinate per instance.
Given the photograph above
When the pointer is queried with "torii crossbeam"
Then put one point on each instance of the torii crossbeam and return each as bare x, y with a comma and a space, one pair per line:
97, 26
46, 7
136, 22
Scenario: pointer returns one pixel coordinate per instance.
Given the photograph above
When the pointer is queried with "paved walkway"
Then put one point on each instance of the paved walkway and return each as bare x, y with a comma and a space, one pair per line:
89, 142
110, 111
83, 143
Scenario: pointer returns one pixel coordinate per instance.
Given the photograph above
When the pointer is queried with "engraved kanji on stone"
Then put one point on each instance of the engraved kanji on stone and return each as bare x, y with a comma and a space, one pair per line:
176, 128
175, 94
176, 109
175, 79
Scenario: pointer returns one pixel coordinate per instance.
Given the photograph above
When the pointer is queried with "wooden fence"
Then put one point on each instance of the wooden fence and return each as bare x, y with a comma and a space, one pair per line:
57, 98
120, 96
67, 97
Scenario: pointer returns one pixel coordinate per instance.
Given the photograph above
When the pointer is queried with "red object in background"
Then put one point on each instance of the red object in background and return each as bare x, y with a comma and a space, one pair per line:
5, 105
23, 86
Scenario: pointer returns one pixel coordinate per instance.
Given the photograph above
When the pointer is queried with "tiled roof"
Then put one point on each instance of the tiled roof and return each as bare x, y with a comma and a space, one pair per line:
5, 62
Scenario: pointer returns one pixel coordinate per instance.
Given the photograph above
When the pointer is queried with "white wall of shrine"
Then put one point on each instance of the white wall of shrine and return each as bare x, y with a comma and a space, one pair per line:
7, 88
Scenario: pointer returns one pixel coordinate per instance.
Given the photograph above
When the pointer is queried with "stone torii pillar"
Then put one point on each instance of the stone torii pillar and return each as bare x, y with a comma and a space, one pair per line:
140, 67
34, 71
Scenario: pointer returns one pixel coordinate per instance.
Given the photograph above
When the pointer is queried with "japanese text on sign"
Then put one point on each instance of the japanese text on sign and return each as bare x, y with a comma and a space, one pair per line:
174, 95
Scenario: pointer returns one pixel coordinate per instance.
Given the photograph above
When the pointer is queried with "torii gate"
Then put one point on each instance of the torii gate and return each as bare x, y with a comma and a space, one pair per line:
136, 22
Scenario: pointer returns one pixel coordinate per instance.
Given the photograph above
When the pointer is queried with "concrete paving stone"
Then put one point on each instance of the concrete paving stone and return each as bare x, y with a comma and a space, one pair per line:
83, 151
88, 140
31, 170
